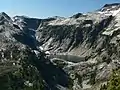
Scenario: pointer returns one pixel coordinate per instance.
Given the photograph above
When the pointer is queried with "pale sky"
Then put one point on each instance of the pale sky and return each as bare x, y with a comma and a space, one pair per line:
48, 8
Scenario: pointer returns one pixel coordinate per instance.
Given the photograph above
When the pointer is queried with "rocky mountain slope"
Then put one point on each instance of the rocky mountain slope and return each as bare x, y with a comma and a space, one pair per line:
56, 53
25, 66
93, 36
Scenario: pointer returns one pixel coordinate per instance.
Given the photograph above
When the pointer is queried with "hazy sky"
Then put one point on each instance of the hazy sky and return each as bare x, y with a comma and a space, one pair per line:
47, 8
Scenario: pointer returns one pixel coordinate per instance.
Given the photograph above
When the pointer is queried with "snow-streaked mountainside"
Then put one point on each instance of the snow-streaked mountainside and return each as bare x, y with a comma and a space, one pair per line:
57, 53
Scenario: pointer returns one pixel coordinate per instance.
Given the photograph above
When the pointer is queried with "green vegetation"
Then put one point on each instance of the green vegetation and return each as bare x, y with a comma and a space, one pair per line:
25, 76
114, 83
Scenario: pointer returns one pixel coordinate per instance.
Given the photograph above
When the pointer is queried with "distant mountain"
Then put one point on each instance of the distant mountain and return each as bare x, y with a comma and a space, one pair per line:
32, 23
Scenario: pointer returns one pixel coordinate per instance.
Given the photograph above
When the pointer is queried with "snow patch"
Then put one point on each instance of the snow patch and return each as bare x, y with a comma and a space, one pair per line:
68, 21
36, 52
110, 12
110, 32
47, 53
41, 48
114, 13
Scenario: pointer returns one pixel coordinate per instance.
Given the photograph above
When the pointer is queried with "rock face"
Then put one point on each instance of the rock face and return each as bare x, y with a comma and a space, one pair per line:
94, 36
25, 66
56, 53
